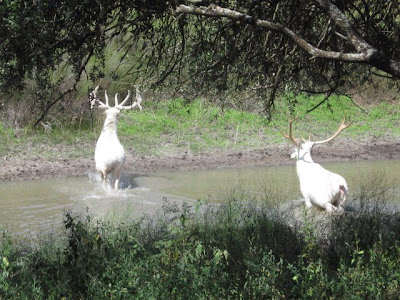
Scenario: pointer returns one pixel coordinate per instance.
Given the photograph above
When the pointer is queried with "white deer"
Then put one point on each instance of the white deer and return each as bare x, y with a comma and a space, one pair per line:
109, 154
319, 186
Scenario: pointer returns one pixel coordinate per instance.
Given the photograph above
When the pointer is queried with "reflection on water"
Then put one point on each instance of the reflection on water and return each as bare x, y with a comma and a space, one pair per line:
29, 206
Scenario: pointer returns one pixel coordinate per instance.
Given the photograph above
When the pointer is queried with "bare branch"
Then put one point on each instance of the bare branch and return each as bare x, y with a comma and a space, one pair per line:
219, 12
365, 53
51, 105
341, 20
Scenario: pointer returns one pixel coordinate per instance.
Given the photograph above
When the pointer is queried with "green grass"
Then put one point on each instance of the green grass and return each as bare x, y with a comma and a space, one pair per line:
196, 126
174, 126
381, 120
243, 248
61, 143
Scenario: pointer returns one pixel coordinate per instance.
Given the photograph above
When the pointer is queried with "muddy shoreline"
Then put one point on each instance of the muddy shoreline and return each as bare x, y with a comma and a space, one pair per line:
18, 169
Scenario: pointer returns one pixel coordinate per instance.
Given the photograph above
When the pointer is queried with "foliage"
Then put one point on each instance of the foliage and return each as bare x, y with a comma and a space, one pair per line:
39, 36
242, 249
49, 47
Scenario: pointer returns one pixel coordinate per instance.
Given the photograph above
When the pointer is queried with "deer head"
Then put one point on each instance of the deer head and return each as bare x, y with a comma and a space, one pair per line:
303, 147
95, 102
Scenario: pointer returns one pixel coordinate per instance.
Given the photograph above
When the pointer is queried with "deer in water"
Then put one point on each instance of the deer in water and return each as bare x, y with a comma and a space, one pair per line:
109, 153
319, 186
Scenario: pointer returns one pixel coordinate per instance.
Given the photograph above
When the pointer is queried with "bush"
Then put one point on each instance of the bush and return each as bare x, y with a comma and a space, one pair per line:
238, 249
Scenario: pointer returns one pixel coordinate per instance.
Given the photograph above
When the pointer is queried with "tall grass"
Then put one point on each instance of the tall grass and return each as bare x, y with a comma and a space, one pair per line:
244, 248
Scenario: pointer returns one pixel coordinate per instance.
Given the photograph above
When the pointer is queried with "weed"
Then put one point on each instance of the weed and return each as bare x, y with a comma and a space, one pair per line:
242, 248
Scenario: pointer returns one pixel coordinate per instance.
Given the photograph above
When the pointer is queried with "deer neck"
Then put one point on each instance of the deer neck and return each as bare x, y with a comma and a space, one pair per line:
304, 162
110, 125
305, 157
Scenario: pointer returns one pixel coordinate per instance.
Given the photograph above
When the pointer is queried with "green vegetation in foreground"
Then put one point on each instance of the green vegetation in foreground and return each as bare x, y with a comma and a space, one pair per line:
241, 249
170, 127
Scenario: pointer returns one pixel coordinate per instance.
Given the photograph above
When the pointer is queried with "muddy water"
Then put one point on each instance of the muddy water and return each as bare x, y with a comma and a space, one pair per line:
34, 207
211, 184
31, 206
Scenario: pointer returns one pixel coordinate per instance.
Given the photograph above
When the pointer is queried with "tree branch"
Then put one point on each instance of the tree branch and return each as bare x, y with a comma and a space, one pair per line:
51, 105
68, 91
341, 20
219, 12
365, 52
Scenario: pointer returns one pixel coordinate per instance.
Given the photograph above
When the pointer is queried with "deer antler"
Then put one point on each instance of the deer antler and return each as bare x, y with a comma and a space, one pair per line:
290, 135
94, 100
126, 98
134, 104
342, 127
138, 98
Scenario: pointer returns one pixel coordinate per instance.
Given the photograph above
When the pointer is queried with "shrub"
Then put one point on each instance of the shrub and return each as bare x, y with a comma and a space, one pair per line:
238, 249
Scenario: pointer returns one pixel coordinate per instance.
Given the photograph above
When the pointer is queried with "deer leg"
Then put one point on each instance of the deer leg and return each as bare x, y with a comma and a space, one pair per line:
117, 176
342, 196
116, 183
104, 177
330, 208
308, 202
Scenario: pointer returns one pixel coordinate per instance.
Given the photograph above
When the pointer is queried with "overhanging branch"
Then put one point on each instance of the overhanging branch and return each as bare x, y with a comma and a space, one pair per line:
341, 20
365, 53
51, 105
219, 12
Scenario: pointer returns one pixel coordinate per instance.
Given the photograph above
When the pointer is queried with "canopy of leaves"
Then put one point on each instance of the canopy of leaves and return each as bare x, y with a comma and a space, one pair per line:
193, 53
239, 54
38, 36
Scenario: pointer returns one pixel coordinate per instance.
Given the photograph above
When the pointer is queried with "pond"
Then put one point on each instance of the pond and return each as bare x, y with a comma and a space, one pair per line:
28, 207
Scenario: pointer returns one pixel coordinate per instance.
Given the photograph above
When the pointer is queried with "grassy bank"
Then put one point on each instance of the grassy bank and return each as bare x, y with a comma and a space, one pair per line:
242, 249
170, 127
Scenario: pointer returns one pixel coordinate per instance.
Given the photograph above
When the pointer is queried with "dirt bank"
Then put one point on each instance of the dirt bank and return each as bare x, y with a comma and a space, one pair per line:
37, 168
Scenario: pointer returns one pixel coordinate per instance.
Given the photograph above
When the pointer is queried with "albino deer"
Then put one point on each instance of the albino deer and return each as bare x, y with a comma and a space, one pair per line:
319, 186
109, 153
